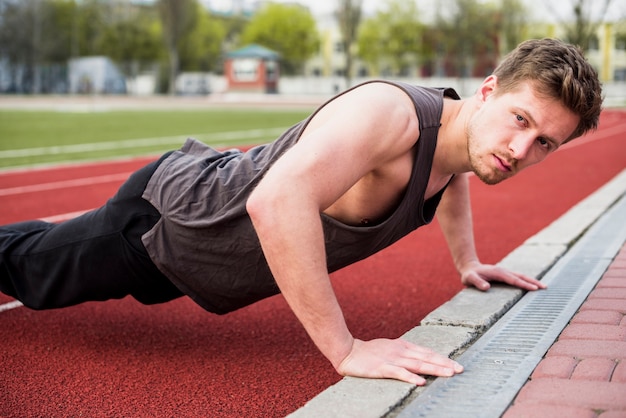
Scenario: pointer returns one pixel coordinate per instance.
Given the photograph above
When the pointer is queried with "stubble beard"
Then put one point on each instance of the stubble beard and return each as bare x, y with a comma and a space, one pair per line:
480, 169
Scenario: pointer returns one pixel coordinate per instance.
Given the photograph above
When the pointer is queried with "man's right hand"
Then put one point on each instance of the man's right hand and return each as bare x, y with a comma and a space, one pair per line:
396, 359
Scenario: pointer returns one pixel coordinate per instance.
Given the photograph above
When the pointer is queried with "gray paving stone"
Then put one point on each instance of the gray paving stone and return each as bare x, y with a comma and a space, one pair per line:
533, 259
443, 339
569, 227
474, 309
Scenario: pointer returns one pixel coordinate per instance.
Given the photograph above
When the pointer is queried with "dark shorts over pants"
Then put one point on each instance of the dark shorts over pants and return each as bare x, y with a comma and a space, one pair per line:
94, 257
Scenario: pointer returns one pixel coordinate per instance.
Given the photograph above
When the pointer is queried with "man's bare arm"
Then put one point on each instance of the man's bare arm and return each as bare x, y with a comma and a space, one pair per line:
349, 139
455, 217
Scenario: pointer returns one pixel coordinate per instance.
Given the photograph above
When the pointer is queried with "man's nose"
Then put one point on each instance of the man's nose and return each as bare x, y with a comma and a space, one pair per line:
520, 145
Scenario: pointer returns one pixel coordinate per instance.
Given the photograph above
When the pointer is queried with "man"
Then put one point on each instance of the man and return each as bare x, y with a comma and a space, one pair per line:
368, 167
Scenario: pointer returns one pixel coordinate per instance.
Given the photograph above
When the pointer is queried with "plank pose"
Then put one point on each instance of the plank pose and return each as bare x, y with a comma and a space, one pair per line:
365, 169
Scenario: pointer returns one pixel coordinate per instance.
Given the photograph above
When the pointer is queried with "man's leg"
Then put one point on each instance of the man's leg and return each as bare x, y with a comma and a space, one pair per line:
97, 256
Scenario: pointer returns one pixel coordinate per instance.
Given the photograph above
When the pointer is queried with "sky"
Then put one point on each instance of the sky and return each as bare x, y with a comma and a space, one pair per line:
538, 8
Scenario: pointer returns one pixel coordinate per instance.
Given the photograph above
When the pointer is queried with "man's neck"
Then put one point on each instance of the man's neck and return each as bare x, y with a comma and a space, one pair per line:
451, 155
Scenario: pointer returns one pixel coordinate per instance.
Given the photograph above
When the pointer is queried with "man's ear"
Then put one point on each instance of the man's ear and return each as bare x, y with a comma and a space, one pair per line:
487, 88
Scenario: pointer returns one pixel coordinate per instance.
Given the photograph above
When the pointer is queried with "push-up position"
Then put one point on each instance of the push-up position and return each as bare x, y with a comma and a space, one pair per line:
368, 167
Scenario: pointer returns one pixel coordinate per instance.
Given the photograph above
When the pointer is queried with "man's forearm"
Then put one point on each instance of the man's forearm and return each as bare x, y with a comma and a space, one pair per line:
295, 253
455, 218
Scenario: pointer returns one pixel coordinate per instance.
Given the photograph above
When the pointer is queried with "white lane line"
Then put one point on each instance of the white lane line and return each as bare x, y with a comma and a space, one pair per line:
10, 305
87, 181
141, 142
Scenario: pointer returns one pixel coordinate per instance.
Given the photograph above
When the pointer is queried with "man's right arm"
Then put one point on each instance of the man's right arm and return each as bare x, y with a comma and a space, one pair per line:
346, 140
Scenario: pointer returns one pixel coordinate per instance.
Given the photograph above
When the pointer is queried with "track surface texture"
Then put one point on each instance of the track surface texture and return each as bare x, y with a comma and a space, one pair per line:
120, 358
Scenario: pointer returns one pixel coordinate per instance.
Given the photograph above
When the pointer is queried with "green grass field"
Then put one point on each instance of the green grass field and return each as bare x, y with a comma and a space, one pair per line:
29, 138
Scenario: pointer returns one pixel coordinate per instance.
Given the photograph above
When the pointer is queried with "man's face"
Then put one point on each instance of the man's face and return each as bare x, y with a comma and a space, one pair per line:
514, 130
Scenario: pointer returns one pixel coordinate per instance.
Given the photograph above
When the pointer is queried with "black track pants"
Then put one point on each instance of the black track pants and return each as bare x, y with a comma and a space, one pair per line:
94, 257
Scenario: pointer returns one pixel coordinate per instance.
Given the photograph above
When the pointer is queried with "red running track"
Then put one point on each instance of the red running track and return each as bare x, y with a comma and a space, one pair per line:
120, 358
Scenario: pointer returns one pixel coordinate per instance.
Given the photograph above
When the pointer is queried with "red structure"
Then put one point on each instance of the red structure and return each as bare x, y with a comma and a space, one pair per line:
252, 69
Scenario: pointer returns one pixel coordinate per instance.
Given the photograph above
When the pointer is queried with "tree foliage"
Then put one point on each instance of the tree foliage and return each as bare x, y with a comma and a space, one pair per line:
201, 48
469, 51
134, 39
16, 39
177, 18
25, 40
466, 38
582, 29
287, 29
392, 37
58, 18
513, 22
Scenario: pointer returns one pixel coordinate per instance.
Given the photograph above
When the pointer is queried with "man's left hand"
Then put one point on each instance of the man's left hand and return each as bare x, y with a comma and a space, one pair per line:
480, 275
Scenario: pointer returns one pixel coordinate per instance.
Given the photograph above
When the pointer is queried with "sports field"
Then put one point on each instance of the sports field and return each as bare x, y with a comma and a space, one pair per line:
42, 137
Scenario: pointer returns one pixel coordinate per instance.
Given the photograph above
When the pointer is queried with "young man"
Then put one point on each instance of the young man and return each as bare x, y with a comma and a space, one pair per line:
367, 168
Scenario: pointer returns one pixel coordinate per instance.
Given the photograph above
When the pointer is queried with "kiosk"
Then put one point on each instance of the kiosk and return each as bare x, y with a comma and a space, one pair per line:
252, 68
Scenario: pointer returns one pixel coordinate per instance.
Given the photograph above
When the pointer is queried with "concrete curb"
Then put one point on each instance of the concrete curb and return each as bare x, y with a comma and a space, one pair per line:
456, 324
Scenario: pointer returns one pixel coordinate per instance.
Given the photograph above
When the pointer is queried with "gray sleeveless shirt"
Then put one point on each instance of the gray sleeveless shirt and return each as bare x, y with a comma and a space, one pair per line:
205, 242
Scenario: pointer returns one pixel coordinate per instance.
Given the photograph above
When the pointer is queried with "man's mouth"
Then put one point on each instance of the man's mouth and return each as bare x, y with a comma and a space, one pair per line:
502, 164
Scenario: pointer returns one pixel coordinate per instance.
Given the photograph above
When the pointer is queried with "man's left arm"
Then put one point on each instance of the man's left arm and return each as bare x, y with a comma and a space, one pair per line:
455, 218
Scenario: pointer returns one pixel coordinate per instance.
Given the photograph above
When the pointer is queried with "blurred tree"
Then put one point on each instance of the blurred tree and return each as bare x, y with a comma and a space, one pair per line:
16, 35
287, 29
178, 18
25, 41
133, 40
369, 44
233, 28
348, 16
201, 48
90, 26
469, 38
393, 36
16, 42
60, 22
583, 28
513, 22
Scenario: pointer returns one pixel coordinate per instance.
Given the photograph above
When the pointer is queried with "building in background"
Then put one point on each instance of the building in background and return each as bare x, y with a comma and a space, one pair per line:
252, 68
95, 75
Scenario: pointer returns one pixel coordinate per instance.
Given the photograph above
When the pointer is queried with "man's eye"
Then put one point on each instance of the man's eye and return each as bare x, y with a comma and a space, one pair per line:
520, 118
544, 143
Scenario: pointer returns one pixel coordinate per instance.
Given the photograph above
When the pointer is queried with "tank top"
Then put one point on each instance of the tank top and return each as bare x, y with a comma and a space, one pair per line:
205, 243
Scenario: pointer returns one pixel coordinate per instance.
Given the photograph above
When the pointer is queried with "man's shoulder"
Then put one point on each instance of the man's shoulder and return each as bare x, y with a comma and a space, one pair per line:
410, 88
